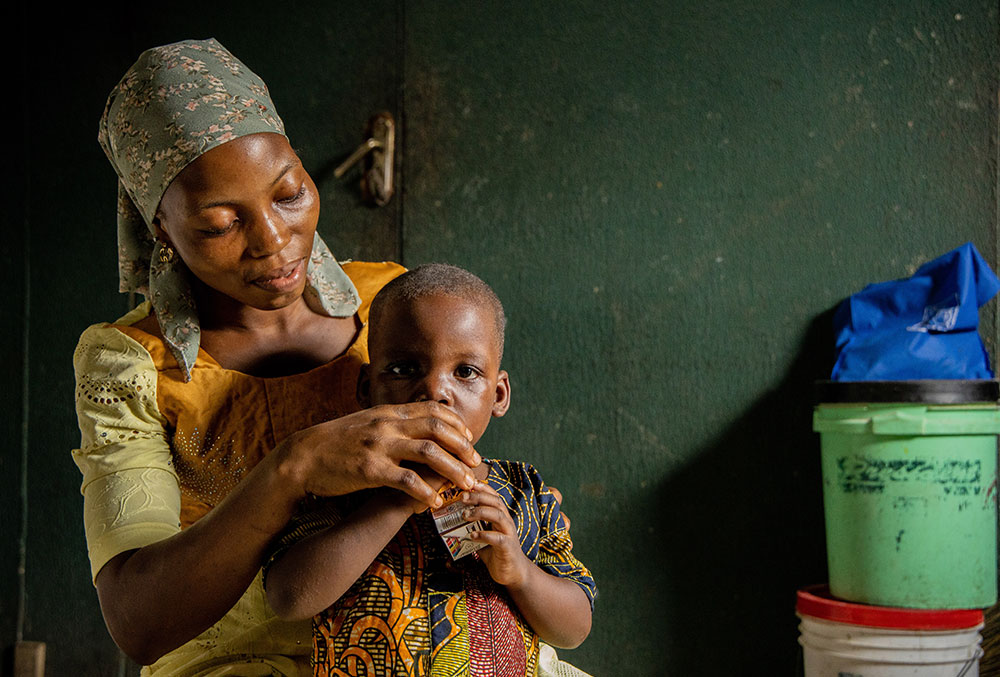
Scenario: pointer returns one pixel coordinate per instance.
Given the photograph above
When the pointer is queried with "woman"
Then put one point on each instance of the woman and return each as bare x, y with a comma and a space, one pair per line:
209, 411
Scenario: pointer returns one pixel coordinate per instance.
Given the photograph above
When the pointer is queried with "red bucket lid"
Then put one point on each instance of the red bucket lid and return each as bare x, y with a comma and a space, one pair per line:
816, 601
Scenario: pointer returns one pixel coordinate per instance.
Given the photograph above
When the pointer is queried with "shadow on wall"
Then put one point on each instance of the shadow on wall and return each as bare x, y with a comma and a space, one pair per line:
746, 530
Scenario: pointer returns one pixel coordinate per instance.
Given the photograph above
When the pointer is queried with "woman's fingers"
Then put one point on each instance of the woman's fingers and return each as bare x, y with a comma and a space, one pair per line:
436, 422
372, 448
431, 408
427, 497
434, 436
559, 499
411, 483
432, 455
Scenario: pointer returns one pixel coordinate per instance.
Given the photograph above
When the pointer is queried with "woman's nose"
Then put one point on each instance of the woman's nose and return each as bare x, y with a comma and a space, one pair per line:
268, 235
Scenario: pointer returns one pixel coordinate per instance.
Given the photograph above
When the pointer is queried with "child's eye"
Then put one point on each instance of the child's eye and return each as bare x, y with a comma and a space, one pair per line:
401, 369
466, 372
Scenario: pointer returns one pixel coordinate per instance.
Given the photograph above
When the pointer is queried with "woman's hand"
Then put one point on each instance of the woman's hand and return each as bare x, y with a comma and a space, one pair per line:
391, 497
504, 559
558, 495
378, 447
208, 566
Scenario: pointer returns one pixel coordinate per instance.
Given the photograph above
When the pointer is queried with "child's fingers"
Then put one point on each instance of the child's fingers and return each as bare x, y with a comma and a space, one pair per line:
482, 493
494, 538
486, 504
504, 559
483, 486
498, 518
492, 499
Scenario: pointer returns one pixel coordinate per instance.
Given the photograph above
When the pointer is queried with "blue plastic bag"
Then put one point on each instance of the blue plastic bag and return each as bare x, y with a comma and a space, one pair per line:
924, 327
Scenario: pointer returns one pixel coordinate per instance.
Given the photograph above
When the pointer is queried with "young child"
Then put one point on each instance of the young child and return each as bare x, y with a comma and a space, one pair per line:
386, 596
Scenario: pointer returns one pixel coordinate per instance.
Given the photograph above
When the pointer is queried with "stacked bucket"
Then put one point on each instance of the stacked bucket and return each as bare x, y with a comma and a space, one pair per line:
909, 492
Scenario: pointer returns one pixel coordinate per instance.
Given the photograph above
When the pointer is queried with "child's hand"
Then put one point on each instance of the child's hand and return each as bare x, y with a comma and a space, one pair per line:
504, 559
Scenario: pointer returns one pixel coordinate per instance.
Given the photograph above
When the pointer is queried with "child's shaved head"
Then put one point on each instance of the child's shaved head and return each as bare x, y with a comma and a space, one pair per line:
439, 278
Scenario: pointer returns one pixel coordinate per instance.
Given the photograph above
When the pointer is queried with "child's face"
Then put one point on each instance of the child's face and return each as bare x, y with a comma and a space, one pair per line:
442, 348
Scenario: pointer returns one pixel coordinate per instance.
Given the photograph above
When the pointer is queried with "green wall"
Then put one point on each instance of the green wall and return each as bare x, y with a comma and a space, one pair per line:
669, 197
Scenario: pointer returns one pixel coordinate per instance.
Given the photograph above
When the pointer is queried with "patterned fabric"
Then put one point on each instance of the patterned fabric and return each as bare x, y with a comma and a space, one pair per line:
177, 102
157, 453
416, 612
495, 642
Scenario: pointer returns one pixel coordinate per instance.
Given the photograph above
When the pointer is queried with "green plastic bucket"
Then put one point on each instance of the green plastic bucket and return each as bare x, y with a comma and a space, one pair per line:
909, 491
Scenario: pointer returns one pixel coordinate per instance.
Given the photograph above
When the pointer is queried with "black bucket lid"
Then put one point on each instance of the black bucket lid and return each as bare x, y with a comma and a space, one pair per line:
936, 391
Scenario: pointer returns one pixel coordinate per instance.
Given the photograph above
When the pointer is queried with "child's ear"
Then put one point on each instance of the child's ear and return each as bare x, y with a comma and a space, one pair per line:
364, 393
502, 402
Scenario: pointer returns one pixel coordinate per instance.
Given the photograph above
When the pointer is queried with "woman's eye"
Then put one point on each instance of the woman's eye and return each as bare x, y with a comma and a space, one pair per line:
296, 197
223, 230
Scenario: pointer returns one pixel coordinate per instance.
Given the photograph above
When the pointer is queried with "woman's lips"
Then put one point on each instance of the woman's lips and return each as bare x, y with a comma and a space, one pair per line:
284, 279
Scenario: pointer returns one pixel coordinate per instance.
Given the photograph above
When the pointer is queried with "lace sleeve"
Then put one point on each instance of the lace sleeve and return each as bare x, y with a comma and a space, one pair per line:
130, 489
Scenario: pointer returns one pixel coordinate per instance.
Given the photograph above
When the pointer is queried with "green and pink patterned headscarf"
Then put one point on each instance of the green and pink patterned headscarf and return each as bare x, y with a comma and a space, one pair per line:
177, 102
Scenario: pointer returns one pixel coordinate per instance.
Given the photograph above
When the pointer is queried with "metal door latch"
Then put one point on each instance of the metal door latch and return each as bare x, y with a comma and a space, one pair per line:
378, 152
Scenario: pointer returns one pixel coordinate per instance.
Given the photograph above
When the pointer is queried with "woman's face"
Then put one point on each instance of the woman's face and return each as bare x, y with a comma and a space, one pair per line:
242, 218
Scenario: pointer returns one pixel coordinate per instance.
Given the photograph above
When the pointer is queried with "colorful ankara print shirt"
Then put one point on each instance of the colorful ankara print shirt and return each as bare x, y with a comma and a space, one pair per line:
415, 612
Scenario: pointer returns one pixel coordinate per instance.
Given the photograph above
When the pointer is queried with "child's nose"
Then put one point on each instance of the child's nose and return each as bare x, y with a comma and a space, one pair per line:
435, 388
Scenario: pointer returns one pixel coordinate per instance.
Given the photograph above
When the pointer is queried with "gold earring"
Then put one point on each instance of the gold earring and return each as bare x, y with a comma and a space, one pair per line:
166, 253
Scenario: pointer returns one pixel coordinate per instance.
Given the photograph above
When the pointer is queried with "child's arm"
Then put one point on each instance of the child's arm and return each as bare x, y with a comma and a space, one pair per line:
557, 608
315, 572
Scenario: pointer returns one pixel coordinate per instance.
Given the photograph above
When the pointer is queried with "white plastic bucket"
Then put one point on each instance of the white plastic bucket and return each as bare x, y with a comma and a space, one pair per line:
841, 639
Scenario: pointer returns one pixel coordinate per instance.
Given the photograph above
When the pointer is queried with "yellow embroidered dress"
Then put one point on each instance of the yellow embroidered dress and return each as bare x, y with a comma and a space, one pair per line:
157, 453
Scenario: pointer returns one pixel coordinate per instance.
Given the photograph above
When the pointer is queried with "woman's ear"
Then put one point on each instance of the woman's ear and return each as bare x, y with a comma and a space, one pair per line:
502, 402
158, 230
364, 393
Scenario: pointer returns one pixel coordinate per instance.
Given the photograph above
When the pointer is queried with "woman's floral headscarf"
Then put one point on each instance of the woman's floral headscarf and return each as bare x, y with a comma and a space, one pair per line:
177, 102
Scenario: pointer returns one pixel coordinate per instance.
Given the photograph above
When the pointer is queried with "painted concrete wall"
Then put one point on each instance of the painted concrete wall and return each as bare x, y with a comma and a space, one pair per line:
669, 197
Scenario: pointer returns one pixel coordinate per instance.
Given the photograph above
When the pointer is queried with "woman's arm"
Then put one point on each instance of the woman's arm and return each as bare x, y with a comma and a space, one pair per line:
160, 596
556, 608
